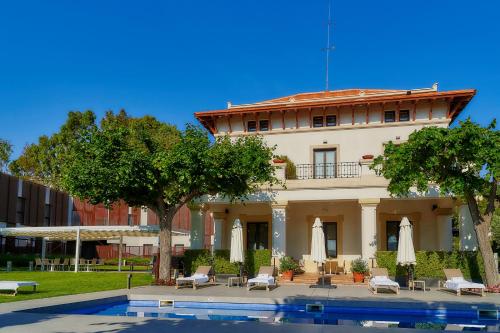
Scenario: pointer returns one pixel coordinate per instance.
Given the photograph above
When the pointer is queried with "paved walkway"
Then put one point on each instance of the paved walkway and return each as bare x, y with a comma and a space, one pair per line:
331, 296
34, 321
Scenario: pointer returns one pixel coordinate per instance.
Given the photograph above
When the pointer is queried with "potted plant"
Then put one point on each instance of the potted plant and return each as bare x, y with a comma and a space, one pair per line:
368, 157
359, 268
287, 267
278, 160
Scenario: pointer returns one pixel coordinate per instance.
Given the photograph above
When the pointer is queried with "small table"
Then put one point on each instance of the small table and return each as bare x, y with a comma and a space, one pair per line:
231, 281
418, 283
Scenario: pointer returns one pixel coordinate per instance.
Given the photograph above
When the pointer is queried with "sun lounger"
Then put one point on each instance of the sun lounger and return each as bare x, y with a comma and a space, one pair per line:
14, 285
380, 280
265, 277
201, 276
455, 282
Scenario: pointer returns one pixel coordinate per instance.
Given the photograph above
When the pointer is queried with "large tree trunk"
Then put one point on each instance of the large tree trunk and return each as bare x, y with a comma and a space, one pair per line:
166, 216
482, 226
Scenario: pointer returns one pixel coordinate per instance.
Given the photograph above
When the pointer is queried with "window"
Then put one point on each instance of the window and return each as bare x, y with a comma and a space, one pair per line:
318, 121
331, 120
330, 230
20, 208
46, 215
325, 163
404, 115
264, 125
392, 232
257, 236
389, 116
252, 126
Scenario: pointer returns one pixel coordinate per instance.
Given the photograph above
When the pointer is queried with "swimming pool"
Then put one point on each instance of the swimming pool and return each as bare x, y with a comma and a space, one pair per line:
438, 319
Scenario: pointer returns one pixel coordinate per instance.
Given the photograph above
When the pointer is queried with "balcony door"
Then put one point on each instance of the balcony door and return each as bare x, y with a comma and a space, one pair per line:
325, 163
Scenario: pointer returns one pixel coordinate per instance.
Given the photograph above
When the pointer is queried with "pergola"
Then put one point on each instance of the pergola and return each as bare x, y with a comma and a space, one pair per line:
82, 233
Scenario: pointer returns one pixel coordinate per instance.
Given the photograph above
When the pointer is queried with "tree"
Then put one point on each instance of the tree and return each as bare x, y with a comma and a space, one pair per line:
41, 162
145, 162
463, 161
5, 152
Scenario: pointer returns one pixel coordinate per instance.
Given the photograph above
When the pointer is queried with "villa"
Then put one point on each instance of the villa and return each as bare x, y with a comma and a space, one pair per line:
331, 137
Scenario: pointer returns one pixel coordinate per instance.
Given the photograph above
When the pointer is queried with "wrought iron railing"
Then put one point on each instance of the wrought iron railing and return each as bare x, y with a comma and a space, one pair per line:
328, 170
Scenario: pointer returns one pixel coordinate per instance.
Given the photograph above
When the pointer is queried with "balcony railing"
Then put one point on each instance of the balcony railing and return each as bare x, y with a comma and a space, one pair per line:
328, 170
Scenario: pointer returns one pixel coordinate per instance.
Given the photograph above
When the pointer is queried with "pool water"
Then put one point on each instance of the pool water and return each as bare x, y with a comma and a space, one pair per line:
438, 319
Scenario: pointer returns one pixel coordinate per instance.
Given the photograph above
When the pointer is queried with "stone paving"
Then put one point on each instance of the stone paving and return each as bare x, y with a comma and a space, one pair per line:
30, 319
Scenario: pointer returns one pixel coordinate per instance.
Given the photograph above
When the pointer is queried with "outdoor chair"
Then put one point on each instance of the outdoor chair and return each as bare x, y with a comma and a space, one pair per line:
93, 264
64, 264
38, 263
55, 264
265, 277
380, 280
73, 263
200, 277
455, 282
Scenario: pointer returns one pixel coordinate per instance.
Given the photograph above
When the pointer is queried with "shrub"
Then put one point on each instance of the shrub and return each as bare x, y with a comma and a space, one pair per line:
220, 261
359, 266
222, 265
194, 258
291, 169
430, 264
256, 258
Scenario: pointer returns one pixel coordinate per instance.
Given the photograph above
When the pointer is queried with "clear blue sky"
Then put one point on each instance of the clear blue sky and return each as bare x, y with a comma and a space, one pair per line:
172, 58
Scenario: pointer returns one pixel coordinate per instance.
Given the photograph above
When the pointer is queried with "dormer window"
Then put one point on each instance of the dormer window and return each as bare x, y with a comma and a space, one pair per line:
318, 121
389, 116
331, 120
264, 125
404, 115
252, 126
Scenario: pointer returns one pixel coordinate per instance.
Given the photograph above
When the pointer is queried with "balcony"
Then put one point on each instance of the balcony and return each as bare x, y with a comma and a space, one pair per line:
328, 170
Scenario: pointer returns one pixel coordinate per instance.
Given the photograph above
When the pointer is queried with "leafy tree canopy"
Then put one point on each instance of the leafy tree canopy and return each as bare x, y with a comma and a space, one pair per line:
5, 152
146, 162
461, 159
41, 162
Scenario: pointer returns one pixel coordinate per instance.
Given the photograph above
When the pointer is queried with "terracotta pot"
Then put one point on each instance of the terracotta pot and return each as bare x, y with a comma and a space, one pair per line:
277, 160
287, 276
358, 277
368, 157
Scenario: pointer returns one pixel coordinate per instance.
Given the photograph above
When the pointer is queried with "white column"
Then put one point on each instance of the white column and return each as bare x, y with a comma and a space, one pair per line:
197, 227
468, 240
219, 221
120, 254
445, 236
368, 228
77, 250
44, 249
279, 230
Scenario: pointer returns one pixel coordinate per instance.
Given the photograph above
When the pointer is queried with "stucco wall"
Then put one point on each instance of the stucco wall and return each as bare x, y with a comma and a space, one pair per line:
347, 213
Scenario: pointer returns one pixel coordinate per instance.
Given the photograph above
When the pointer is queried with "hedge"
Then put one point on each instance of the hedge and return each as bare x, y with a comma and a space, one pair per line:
430, 264
220, 261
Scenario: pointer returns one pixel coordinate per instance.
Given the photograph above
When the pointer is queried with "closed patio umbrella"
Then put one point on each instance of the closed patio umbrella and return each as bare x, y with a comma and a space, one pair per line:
236, 254
406, 251
318, 251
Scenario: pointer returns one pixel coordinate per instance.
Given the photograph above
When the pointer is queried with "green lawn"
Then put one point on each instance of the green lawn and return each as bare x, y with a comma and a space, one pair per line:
67, 283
